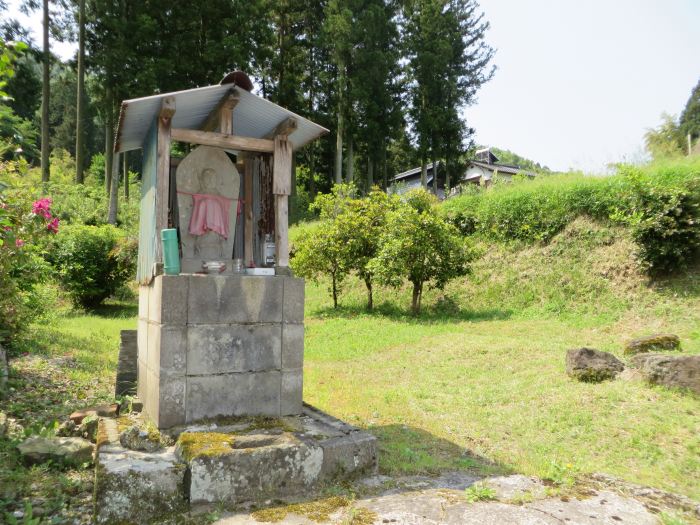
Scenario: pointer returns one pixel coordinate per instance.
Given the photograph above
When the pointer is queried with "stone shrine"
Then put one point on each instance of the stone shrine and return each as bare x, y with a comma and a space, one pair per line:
220, 335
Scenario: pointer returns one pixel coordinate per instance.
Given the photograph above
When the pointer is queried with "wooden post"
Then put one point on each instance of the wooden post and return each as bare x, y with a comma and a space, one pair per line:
226, 115
167, 110
282, 188
248, 209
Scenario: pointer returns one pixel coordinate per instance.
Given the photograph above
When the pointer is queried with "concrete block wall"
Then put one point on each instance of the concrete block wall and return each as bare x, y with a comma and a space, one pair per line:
220, 345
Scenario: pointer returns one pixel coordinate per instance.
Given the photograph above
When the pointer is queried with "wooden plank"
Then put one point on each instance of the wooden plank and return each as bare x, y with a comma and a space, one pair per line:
167, 110
283, 129
213, 120
221, 140
282, 169
248, 210
281, 231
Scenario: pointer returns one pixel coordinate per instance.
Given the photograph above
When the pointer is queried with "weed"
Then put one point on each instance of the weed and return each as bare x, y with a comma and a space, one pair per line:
479, 492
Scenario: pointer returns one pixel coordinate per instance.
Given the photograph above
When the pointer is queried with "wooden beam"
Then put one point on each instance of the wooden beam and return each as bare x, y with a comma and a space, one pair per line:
281, 231
227, 103
221, 140
283, 129
248, 210
167, 110
282, 188
282, 170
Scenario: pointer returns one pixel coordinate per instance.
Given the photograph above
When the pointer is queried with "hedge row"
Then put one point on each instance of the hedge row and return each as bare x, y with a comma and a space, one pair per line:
659, 202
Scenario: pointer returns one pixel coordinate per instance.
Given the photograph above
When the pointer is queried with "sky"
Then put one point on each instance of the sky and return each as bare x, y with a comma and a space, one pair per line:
578, 83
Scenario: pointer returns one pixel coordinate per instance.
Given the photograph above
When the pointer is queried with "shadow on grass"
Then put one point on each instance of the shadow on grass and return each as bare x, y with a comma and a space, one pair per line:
116, 310
407, 451
444, 311
413, 459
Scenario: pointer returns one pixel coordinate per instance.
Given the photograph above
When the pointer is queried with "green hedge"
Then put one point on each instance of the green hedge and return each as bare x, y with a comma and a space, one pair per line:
92, 262
659, 202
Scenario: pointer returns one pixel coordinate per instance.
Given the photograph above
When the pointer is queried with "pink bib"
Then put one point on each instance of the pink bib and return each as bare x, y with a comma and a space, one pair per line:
210, 213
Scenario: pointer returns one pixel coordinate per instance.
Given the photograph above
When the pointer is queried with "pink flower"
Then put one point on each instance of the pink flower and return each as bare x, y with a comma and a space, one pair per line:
52, 226
42, 207
19, 243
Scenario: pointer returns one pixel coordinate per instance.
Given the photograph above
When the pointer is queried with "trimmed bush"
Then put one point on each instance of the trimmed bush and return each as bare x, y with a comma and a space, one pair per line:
659, 202
92, 262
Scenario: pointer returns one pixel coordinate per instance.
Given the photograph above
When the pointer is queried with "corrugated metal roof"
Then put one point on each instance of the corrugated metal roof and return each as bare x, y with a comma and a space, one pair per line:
502, 168
253, 116
413, 171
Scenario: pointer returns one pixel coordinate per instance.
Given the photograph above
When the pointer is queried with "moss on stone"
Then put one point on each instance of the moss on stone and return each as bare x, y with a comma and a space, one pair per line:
318, 511
197, 444
362, 516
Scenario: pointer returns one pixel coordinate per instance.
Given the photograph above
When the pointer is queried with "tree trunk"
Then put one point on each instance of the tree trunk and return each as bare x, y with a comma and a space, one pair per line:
424, 174
417, 292
335, 293
45, 97
370, 174
370, 299
447, 179
350, 161
109, 139
339, 150
126, 177
80, 102
341, 127
114, 192
4, 375
435, 176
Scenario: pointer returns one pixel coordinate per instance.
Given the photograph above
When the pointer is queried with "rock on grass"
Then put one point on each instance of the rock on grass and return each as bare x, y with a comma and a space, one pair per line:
593, 366
64, 450
652, 343
670, 371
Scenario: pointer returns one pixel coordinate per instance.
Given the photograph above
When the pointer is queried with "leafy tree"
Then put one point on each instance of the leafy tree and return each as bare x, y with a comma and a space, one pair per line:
444, 41
375, 84
508, 157
319, 251
665, 140
421, 247
690, 118
360, 227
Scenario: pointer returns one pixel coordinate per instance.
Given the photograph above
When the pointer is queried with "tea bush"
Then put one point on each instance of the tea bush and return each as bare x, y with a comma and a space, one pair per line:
92, 262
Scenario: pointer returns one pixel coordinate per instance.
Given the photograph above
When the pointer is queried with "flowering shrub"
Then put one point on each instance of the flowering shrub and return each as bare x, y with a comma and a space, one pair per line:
22, 225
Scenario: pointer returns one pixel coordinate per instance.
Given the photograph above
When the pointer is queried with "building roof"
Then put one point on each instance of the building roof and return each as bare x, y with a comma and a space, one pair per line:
503, 168
413, 171
253, 116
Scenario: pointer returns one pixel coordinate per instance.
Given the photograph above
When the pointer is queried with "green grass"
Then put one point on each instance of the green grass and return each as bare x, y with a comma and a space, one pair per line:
476, 382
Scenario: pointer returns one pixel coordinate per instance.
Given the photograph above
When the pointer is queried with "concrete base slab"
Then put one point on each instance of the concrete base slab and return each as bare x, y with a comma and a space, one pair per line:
254, 459
133, 486
229, 461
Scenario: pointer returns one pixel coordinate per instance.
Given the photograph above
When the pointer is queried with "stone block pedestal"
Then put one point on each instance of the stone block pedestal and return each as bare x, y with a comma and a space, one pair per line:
220, 345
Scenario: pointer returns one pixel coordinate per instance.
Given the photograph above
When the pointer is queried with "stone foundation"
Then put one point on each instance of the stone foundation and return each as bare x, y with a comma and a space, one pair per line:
220, 345
230, 461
